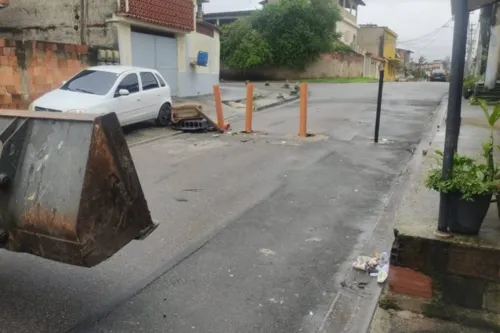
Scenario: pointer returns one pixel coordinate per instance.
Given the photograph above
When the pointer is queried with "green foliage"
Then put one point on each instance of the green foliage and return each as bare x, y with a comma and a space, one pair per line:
340, 47
492, 119
470, 82
243, 46
469, 178
292, 33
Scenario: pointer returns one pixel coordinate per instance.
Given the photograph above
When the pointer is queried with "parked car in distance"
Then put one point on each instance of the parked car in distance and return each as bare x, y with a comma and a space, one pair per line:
134, 94
438, 75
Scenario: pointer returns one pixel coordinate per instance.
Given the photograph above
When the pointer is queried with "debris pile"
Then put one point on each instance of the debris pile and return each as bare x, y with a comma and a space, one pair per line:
189, 117
377, 266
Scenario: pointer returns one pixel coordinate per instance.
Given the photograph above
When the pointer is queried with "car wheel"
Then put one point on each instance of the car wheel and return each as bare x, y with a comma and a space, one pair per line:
164, 115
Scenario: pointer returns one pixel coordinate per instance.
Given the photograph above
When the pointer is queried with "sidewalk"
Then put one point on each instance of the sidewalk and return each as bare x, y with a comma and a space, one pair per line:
455, 279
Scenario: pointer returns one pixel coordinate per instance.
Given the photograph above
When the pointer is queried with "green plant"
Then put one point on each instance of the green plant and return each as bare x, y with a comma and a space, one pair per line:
489, 145
470, 82
340, 47
244, 47
469, 178
290, 33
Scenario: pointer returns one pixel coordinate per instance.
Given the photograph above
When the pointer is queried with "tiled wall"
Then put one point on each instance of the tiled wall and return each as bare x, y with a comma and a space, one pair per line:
176, 14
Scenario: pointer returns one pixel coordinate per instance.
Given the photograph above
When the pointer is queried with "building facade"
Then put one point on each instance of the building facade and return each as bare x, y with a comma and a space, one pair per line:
405, 56
381, 41
160, 34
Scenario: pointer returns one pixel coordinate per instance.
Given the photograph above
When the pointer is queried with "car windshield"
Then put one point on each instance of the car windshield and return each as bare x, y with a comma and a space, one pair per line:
91, 82
438, 72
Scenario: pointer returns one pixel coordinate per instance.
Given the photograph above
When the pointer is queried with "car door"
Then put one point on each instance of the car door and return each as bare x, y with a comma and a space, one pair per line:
128, 108
152, 94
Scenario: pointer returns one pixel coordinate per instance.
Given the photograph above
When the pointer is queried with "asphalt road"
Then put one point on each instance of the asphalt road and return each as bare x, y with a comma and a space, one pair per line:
256, 231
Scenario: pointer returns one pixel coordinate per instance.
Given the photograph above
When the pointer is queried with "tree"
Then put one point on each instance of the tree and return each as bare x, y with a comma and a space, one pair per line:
421, 62
296, 31
244, 47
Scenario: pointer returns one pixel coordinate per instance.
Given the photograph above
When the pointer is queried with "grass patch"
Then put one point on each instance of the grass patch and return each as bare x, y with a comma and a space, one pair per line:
342, 80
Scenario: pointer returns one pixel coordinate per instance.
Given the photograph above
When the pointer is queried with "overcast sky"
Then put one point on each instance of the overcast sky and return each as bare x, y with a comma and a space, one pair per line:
410, 19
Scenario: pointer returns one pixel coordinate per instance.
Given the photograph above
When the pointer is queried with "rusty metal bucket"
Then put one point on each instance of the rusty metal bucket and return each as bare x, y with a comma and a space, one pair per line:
69, 190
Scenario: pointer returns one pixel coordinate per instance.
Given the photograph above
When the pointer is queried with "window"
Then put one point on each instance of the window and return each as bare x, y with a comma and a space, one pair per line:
91, 82
148, 81
160, 79
129, 82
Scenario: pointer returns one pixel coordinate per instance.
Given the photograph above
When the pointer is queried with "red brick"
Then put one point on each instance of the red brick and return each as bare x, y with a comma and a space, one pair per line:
2, 42
82, 49
11, 89
7, 99
408, 282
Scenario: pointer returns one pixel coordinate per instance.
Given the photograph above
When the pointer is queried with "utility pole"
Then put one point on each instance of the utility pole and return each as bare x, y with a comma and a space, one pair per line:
454, 109
479, 52
470, 47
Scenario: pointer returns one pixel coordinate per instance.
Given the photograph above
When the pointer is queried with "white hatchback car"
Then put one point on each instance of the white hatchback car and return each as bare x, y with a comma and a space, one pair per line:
134, 94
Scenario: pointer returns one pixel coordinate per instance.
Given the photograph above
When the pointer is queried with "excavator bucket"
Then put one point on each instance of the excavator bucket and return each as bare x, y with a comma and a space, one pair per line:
69, 190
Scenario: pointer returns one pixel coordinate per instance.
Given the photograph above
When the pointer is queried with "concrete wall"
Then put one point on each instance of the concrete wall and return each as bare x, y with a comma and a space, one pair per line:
369, 39
196, 80
62, 21
328, 66
348, 31
30, 69
371, 67
389, 45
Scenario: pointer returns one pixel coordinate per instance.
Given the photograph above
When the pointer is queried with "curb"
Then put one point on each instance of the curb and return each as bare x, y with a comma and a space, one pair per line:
405, 183
364, 305
263, 107
156, 138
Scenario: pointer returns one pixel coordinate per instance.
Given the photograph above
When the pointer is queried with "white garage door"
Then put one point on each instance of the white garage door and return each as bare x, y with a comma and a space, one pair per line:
158, 52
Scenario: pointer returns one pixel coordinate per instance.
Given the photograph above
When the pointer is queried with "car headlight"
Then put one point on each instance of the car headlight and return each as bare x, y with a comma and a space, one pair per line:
31, 108
77, 111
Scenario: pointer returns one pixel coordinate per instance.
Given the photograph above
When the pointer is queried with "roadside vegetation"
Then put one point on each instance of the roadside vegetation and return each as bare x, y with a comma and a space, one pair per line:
341, 80
291, 33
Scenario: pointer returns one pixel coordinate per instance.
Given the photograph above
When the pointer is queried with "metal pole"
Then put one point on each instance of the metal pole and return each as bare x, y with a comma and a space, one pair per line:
454, 105
379, 103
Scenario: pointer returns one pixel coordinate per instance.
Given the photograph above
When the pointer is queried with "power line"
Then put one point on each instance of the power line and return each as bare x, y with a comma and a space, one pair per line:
428, 35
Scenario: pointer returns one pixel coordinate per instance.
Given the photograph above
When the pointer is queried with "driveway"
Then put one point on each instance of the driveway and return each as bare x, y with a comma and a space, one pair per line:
256, 231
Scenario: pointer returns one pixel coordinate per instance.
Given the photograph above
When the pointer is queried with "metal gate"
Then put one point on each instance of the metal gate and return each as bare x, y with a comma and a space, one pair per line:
158, 52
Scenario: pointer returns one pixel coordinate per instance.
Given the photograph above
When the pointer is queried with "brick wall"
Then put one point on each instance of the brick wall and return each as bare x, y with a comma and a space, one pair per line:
176, 14
28, 69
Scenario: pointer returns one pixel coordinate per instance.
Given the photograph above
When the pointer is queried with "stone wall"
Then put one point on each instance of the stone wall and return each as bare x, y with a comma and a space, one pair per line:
28, 69
329, 65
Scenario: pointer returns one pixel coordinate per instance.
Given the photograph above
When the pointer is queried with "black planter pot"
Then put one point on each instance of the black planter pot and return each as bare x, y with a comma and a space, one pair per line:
467, 93
467, 216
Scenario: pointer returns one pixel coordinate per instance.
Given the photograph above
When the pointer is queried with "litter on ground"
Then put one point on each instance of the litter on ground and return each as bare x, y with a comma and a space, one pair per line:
377, 266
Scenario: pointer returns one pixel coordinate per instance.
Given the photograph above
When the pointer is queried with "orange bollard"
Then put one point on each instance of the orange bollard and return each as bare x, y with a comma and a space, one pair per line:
249, 111
303, 110
218, 106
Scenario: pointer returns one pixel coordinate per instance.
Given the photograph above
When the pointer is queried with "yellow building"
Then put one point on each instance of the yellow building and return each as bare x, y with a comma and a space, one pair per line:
381, 41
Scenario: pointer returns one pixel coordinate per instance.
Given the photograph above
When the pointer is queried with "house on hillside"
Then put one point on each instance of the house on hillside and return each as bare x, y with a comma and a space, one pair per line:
161, 34
348, 27
381, 41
